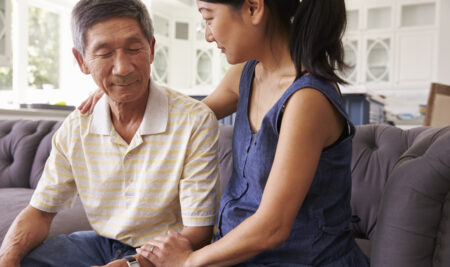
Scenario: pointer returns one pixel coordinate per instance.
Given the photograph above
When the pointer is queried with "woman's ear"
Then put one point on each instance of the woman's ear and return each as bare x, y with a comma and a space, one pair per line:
255, 9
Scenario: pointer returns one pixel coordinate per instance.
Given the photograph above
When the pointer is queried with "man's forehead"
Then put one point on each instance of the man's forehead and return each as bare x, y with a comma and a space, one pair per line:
114, 29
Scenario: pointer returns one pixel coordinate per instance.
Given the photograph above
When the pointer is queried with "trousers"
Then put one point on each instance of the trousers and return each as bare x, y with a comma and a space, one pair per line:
79, 249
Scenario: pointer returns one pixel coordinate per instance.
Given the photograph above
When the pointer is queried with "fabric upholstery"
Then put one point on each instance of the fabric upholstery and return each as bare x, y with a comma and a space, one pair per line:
413, 227
42, 153
400, 191
19, 141
225, 155
376, 149
14, 200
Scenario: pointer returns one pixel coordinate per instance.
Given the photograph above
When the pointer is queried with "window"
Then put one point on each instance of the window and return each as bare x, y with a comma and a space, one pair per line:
5, 46
43, 49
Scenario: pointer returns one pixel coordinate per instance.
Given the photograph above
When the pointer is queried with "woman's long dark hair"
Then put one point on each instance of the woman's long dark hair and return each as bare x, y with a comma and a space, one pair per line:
315, 33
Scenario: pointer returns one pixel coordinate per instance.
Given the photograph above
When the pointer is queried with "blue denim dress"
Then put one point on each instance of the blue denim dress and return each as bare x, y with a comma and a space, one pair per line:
321, 233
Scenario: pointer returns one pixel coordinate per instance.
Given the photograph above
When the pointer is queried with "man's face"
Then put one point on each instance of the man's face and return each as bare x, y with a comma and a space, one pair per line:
118, 56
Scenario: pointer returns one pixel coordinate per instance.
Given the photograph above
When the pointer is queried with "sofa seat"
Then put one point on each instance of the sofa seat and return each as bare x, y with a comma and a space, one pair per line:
14, 200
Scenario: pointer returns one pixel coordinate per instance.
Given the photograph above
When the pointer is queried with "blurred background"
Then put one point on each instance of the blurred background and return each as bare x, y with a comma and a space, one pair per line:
395, 50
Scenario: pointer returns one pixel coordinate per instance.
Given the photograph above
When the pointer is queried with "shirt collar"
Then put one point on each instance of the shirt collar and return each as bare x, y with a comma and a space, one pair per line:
155, 119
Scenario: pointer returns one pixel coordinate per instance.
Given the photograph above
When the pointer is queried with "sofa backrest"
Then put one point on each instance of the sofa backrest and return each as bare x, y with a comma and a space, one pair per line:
24, 148
376, 150
413, 225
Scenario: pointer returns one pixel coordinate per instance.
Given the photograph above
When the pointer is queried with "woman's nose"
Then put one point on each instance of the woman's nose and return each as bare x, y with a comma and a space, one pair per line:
208, 35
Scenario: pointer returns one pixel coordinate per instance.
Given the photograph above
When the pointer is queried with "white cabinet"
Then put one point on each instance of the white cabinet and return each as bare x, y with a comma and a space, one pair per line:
397, 48
183, 60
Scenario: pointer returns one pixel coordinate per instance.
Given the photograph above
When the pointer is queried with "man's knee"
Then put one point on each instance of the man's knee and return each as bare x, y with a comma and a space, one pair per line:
80, 248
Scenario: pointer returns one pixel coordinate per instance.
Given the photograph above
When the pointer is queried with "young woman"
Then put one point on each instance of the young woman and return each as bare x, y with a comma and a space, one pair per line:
288, 200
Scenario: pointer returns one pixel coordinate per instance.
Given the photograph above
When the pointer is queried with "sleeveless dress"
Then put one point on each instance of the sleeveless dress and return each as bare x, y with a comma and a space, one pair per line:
321, 234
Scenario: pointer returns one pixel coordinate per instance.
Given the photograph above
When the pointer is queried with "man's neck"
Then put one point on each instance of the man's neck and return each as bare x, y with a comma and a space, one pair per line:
127, 117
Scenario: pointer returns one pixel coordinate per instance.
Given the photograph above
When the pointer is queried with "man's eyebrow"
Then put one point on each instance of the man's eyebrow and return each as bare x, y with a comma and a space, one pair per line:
134, 39
100, 46
129, 40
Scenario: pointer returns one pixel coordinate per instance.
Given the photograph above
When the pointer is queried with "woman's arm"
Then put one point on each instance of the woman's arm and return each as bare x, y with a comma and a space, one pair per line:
223, 100
309, 124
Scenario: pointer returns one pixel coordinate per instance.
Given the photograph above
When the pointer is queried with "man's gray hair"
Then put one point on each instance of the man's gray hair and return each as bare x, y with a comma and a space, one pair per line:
88, 12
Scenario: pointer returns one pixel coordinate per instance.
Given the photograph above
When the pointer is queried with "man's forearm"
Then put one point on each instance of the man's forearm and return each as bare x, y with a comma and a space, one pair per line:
28, 230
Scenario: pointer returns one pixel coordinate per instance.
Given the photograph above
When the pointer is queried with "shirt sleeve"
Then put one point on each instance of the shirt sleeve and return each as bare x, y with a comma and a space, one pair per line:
56, 188
199, 183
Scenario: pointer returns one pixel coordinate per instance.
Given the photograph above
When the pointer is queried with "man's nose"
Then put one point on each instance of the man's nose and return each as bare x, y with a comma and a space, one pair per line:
122, 64
208, 35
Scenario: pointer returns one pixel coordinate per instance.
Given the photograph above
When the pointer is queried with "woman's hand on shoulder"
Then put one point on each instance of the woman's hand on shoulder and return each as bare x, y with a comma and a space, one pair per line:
88, 105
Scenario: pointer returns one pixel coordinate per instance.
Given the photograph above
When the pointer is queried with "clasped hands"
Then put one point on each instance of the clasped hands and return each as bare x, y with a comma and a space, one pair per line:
171, 250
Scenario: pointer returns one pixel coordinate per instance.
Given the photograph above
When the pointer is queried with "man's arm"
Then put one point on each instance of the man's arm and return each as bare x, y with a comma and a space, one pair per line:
29, 229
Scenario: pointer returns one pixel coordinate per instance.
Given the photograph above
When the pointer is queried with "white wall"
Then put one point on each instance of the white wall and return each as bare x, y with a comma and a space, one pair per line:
444, 46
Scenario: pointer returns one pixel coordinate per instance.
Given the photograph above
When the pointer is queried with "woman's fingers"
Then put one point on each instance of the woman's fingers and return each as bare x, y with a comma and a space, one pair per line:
97, 95
151, 249
88, 105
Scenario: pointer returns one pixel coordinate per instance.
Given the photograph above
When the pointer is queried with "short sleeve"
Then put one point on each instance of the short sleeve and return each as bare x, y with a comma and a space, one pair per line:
199, 182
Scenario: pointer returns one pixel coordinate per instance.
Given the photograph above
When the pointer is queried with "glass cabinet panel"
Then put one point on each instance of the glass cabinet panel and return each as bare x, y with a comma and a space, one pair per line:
379, 18
204, 67
418, 15
161, 25
352, 20
161, 65
182, 31
350, 59
378, 60
200, 30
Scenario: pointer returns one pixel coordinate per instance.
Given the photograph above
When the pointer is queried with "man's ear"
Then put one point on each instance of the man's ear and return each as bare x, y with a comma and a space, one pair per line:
255, 8
152, 50
80, 61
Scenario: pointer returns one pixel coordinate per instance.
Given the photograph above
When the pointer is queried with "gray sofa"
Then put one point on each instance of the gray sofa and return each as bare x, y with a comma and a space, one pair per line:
400, 192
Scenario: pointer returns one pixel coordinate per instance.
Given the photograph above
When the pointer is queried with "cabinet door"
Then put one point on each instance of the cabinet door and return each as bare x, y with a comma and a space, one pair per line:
416, 56
378, 64
204, 70
351, 56
161, 64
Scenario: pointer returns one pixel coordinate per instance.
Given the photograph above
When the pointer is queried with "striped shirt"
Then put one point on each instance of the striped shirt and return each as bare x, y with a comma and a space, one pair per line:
165, 178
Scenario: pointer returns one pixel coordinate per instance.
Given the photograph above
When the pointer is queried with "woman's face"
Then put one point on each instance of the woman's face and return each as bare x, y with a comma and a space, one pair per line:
230, 29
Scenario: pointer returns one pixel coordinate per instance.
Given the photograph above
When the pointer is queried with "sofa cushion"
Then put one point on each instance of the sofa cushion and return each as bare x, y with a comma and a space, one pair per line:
376, 149
42, 153
225, 154
19, 141
413, 227
14, 200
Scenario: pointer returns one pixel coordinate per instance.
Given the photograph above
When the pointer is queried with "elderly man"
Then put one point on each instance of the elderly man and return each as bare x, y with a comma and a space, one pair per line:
143, 163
